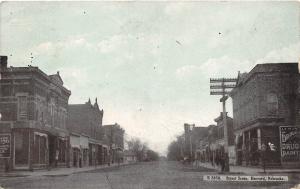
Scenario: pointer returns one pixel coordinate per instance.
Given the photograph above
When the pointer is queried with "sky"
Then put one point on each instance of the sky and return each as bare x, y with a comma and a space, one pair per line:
149, 63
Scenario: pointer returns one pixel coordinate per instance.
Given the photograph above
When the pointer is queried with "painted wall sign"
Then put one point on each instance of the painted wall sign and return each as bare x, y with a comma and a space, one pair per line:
290, 143
5, 143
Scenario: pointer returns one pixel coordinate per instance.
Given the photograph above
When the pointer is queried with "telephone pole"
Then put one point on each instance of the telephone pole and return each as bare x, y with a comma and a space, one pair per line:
223, 86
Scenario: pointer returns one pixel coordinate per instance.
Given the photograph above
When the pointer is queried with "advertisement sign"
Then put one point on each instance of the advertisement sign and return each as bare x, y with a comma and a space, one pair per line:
5, 142
290, 143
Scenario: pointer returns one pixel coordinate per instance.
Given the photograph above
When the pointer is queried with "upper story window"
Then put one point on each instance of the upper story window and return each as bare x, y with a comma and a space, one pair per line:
272, 104
22, 107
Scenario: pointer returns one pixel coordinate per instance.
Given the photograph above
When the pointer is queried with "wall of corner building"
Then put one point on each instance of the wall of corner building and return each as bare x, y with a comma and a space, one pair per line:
245, 103
285, 86
39, 92
249, 100
8, 93
38, 88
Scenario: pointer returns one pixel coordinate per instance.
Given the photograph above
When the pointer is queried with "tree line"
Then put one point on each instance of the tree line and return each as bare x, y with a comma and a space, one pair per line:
175, 149
142, 150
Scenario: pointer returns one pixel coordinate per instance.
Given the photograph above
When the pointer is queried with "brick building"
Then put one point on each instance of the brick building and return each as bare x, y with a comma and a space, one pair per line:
33, 108
217, 138
265, 100
192, 136
86, 135
114, 137
211, 146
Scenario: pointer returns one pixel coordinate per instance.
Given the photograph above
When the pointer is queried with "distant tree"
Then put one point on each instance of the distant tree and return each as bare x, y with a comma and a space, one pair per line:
141, 150
175, 150
152, 155
138, 148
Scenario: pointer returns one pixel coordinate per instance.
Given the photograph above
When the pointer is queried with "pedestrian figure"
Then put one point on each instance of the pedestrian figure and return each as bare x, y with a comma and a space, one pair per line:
217, 159
80, 159
56, 157
222, 162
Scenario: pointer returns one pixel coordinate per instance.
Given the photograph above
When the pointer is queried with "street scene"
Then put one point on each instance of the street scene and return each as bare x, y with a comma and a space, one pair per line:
149, 95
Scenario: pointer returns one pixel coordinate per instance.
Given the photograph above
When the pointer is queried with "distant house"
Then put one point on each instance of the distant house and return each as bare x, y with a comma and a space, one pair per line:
129, 156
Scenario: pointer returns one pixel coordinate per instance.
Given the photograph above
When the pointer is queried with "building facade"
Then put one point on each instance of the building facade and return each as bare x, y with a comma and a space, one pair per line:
216, 141
129, 156
33, 108
86, 135
211, 147
114, 137
266, 109
193, 135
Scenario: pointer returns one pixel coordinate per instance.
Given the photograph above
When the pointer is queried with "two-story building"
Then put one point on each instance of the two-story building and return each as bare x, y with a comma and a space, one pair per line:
211, 147
114, 136
266, 115
33, 108
193, 135
86, 135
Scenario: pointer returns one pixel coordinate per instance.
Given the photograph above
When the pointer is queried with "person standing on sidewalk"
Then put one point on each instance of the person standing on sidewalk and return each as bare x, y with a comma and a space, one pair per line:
80, 159
212, 160
56, 157
222, 162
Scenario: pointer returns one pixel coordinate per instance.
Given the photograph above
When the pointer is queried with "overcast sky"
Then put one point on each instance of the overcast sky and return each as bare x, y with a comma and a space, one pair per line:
149, 63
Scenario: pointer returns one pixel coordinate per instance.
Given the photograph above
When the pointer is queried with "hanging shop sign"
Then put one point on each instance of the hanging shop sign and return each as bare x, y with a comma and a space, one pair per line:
290, 143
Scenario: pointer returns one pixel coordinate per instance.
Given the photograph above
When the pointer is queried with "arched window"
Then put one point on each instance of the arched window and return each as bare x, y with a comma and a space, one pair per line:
272, 104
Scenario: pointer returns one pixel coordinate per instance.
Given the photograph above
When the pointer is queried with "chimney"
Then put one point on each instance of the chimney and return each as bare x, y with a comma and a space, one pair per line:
3, 62
89, 101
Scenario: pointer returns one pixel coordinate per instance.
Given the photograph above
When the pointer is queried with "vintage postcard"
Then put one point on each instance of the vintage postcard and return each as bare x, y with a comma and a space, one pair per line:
149, 94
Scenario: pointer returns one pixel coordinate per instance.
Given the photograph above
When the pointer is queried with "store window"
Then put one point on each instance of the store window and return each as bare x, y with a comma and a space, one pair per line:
22, 107
21, 147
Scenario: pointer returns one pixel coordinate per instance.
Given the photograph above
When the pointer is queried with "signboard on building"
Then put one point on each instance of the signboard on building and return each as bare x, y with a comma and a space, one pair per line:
5, 142
290, 143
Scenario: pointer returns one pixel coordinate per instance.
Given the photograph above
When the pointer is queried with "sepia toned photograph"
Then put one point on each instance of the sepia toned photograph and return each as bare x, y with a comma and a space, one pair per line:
149, 94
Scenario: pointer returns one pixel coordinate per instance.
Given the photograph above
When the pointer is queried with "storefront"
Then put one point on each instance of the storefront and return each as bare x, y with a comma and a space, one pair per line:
105, 149
58, 150
249, 144
79, 150
84, 150
21, 148
92, 153
31, 149
75, 150
35, 149
40, 149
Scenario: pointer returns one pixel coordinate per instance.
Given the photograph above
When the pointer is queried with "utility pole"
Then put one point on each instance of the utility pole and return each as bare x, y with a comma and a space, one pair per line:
223, 86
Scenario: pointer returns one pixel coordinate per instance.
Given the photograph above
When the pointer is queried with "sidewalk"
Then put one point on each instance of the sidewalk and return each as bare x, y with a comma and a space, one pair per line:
57, 171
250, 170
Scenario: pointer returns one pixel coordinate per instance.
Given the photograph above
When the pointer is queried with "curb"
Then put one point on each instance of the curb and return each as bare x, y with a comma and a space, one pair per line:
275, 172
49, 174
